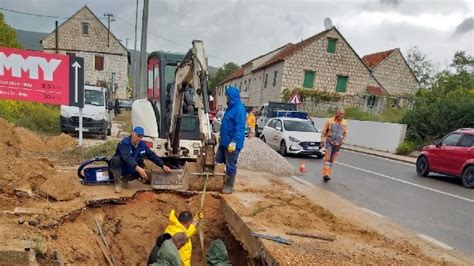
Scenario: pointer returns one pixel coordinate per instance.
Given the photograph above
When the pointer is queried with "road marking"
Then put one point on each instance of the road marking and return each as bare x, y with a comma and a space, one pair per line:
372, 212
408, 183
383, 158
436, 242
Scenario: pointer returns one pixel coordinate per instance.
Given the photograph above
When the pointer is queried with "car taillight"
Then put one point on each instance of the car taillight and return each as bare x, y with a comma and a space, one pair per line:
149, 144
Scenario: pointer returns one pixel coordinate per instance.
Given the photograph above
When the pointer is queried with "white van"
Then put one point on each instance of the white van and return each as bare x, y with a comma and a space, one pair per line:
95, 114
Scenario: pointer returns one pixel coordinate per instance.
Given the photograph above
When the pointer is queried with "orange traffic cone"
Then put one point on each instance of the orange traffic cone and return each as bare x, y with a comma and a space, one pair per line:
303, 167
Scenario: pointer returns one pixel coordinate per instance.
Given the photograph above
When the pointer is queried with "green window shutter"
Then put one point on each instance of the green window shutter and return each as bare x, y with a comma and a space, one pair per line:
265, 81
332, 46
341, 85
308, 79
275, 78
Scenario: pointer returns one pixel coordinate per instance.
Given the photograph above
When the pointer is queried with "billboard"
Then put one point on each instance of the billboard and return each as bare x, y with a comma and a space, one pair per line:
41, 77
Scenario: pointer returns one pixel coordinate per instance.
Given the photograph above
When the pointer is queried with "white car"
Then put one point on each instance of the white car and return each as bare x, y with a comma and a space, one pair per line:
293, 136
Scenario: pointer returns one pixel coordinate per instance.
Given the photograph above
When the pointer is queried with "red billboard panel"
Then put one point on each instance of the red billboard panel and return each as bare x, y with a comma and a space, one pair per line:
34, 76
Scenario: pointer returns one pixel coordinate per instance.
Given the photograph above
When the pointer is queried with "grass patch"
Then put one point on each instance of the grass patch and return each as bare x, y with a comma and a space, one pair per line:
389, 115
40, 118
125, 120
407, 147
80, 154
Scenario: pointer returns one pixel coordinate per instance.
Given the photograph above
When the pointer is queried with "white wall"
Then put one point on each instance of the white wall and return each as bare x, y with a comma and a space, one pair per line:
373, 135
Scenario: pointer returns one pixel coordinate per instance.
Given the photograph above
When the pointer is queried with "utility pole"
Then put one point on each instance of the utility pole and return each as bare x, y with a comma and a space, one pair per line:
126, 43
143, 54
109, 18
135, 59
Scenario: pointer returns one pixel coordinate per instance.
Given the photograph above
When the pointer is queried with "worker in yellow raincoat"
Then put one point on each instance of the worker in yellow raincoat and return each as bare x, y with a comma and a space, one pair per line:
251, 122
187, 224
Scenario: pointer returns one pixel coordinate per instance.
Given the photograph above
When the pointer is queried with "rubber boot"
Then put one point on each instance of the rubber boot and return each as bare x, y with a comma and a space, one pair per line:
229, 185
117, 181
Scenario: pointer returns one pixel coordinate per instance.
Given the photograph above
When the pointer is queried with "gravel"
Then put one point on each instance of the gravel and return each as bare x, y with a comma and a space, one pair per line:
258, 156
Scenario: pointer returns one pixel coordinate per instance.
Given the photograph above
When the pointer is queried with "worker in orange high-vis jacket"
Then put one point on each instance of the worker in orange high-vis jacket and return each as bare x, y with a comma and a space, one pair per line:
333, 136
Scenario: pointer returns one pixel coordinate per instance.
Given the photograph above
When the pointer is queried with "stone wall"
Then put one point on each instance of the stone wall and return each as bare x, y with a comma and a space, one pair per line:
395, 75
314, 57
258, 94
87, 46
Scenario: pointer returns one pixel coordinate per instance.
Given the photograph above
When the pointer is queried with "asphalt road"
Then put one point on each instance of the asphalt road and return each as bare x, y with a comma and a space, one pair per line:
437, 207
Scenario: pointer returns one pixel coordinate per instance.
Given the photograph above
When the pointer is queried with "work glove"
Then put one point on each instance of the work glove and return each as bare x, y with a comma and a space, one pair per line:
198, 216
231, 147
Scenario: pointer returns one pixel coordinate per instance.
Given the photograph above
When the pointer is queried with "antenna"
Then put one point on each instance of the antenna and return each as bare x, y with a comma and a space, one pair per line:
328, 23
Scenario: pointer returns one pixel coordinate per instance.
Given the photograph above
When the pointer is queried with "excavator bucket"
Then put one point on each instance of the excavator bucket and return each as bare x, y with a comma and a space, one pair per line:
190, 178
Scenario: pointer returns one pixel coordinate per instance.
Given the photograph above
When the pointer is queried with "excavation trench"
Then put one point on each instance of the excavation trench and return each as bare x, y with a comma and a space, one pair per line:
131, 227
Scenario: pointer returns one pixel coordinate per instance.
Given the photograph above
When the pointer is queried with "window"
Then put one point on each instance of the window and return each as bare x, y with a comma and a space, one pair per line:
278, 124
451, 140
272, 123
341, 85
248, 84
85, 28
240, 86
467, 141
308, 79
300, 126
99, 62
332, 45
265, 80
275, 78
71, 54
371, 101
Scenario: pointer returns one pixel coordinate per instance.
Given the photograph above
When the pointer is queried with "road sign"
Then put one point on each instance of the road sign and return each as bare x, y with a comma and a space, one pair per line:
41, 77
295, 98
76, 81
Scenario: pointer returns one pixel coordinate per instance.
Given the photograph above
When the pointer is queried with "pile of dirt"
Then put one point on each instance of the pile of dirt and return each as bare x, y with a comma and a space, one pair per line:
22, 172
258, 156
289, 211
31, 142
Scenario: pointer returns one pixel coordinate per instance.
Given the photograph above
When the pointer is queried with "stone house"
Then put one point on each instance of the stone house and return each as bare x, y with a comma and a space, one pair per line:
325, 62
105, 58
392, 71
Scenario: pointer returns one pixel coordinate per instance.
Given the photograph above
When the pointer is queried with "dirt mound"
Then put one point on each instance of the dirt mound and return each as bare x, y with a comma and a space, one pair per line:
61, 142
20, 170
9, 140
31, 142
258, 156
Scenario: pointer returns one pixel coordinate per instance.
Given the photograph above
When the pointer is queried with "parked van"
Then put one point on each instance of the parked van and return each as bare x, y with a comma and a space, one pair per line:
269, 110
95, 114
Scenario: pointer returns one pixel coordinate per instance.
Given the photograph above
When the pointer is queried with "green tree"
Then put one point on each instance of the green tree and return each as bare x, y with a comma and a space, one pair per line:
8, 34
421, 66
446, 106
221, 74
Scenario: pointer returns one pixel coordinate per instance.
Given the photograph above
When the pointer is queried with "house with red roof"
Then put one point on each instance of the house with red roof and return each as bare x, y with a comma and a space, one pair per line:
325, 62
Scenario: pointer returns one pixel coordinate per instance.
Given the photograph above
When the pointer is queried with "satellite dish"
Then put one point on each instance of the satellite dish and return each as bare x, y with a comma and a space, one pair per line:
328, 23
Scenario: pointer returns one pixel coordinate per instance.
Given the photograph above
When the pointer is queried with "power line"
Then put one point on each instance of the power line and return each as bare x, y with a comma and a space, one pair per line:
170, 41
40, 15
123, 20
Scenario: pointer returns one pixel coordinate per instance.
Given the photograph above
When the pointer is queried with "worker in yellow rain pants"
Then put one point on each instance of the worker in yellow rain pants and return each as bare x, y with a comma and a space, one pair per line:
333, 136
184, 223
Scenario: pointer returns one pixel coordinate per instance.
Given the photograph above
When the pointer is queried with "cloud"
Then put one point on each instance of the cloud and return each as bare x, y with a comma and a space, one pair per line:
390, 2
465, 26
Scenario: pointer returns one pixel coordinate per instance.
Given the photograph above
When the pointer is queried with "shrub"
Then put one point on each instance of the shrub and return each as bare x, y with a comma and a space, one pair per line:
38, 117
407, 147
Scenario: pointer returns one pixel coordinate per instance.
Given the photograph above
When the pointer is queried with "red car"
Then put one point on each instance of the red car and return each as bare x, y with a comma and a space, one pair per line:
453, 155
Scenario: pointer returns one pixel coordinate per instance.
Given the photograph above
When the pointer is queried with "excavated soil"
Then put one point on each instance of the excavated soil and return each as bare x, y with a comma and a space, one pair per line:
131, 228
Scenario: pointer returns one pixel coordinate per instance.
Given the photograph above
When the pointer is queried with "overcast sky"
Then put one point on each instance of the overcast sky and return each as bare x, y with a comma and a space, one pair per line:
239, 30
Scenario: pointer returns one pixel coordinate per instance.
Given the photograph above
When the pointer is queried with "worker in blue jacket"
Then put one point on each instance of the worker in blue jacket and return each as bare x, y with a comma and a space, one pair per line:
232, 136
128, 162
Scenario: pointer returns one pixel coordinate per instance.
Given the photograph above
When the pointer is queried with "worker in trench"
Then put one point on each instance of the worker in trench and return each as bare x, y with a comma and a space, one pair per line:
232, 136
168, 252
187, 224
128, 162
333, 135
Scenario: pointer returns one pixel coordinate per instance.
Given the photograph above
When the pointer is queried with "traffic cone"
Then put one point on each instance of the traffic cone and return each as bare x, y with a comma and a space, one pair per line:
303, 167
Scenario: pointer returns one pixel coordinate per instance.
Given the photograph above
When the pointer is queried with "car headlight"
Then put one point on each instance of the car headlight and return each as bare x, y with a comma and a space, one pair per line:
64, 114
100, 116
293, 139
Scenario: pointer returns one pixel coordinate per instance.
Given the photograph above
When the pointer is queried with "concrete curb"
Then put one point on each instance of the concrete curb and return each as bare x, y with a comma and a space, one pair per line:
382, 155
